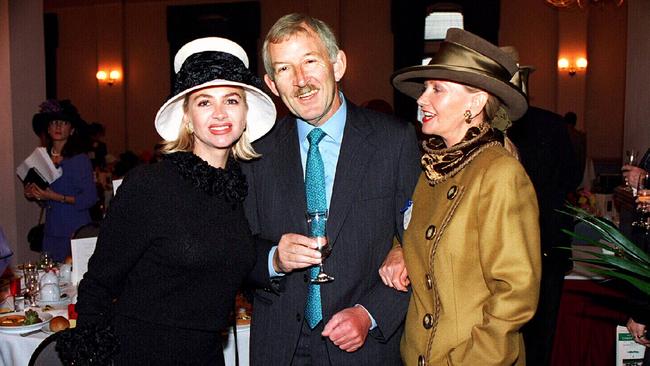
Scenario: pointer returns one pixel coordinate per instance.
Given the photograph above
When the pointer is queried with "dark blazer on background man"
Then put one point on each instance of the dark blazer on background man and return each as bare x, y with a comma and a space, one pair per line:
377, 169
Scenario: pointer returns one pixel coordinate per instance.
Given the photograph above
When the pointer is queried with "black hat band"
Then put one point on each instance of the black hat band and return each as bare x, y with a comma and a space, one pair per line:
203, 67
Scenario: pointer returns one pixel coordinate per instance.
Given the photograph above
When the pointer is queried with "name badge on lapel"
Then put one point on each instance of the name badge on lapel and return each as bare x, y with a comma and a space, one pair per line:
407, 210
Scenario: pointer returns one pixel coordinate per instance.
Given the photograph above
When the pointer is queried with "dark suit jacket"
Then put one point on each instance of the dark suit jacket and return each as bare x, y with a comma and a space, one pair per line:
377, 170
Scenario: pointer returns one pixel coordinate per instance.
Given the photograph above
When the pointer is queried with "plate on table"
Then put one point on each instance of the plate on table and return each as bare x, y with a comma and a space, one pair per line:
62, 301
16, 326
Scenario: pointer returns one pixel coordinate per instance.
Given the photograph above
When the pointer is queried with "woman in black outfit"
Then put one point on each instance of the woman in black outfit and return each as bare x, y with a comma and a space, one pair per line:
175, 246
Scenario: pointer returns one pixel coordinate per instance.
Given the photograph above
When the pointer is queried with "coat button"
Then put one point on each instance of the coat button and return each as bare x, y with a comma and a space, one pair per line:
298, 317
451, 193
427, 322
429, 281
422, 361
431, 231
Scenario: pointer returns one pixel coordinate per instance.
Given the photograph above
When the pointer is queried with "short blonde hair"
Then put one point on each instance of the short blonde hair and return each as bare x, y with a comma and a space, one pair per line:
242, 150
491, 106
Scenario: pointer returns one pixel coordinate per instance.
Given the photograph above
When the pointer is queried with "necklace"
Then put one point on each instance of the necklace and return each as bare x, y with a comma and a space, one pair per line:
55, 154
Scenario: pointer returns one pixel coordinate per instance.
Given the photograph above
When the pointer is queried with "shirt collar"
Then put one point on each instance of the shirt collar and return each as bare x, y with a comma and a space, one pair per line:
333, 127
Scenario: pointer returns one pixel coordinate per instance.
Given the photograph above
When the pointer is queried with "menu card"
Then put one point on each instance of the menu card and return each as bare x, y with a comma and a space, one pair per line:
82, 249
38, 168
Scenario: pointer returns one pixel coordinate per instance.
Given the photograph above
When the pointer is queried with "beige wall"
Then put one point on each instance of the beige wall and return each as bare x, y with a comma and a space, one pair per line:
22, 86
637, 102
131, 35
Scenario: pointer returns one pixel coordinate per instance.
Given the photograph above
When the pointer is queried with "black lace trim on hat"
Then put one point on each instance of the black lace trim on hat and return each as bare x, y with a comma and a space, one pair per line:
203, 67
229, 184
441, 162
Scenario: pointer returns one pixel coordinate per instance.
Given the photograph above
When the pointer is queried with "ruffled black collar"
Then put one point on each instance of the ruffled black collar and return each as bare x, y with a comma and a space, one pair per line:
229, 184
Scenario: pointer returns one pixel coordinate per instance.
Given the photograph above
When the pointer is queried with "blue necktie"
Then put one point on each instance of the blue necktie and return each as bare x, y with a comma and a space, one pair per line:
316, 201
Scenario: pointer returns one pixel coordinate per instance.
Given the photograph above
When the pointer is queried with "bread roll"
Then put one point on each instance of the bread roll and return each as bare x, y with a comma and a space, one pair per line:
59, 323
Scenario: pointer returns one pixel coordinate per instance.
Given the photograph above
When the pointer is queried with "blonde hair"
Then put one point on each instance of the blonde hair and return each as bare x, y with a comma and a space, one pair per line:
242, 150
490, 109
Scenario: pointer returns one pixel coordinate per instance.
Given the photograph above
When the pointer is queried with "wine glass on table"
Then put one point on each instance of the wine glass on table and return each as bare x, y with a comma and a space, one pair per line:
316, 227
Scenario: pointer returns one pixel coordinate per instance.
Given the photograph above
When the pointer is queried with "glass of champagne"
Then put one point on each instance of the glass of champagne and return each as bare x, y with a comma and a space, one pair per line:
316, 227
631, 157
643, 202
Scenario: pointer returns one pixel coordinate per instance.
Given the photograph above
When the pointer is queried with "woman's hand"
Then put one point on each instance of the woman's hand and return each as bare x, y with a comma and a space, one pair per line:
393, 271
42, 194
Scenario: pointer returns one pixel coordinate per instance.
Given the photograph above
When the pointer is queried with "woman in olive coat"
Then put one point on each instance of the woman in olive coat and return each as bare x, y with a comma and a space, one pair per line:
471, 240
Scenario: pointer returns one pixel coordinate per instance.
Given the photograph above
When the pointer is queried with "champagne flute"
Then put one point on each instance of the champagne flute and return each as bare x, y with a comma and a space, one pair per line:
631, 157
316, 227
643, 202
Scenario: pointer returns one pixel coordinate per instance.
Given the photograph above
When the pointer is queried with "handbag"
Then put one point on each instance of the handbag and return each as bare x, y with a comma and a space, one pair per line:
36, 233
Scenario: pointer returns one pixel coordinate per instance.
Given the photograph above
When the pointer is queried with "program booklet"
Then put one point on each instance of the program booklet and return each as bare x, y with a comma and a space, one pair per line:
38, 168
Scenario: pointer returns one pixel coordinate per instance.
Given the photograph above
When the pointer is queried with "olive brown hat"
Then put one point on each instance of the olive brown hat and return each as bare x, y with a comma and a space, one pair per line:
467, 59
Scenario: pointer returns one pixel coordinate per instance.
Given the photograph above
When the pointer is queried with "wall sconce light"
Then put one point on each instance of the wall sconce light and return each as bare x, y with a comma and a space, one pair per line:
580, 64
109, 77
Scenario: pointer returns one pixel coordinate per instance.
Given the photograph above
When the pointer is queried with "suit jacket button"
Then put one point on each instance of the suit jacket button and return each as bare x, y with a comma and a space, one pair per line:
451, 193
422, 361
298, 317
431, 231
429, 281
427, 322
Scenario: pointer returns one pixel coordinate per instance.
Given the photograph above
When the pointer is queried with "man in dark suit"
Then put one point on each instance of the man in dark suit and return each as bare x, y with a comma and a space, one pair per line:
546, 153
371, 165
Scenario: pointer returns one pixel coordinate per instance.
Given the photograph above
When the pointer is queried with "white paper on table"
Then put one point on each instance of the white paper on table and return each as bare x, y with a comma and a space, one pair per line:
628, 352
116, 184
82, 249
41, 162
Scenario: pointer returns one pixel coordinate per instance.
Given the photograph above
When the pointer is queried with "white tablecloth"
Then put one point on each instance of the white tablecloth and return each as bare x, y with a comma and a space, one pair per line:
16, 350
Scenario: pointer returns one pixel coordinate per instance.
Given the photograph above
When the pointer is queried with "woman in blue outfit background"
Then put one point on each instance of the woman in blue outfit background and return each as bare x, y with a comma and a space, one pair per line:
68, 199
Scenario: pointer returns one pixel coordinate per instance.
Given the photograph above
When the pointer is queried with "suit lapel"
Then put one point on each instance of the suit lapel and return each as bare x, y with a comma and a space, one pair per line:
289, 174
356, 152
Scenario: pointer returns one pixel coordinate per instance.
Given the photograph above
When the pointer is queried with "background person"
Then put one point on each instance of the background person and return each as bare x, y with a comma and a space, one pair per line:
370, 169
175, 246
471, 247
68, 199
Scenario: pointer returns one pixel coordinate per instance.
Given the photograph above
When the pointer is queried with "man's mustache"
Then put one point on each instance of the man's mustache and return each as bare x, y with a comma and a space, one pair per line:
305, 89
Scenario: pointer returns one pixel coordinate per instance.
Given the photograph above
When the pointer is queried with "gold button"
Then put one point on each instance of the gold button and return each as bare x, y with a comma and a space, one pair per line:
431, 231
451, 193
422, 361
427, 321
429, 281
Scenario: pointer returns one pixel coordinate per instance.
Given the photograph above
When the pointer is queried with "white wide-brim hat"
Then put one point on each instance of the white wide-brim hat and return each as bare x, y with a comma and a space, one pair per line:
214, 61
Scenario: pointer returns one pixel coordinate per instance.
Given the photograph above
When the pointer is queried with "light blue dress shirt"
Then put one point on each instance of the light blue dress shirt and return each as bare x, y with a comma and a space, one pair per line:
329, 148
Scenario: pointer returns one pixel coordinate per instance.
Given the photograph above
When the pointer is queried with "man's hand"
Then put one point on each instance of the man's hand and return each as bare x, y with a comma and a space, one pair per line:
348, 329
631, 174
393, 271
295, 251
638, 331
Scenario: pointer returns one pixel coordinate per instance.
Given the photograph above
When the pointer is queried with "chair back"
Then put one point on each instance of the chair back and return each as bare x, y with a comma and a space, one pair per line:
45, 354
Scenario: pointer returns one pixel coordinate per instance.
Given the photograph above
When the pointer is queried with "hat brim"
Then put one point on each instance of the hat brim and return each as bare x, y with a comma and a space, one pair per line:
40, 121
259, 119
409, 81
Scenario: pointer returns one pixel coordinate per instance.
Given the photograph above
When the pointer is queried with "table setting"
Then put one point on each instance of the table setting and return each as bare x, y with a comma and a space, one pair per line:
50, 292
38, 294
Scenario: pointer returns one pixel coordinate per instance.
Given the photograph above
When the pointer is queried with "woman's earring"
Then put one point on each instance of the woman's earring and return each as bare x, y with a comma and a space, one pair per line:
468, 116
189, 128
